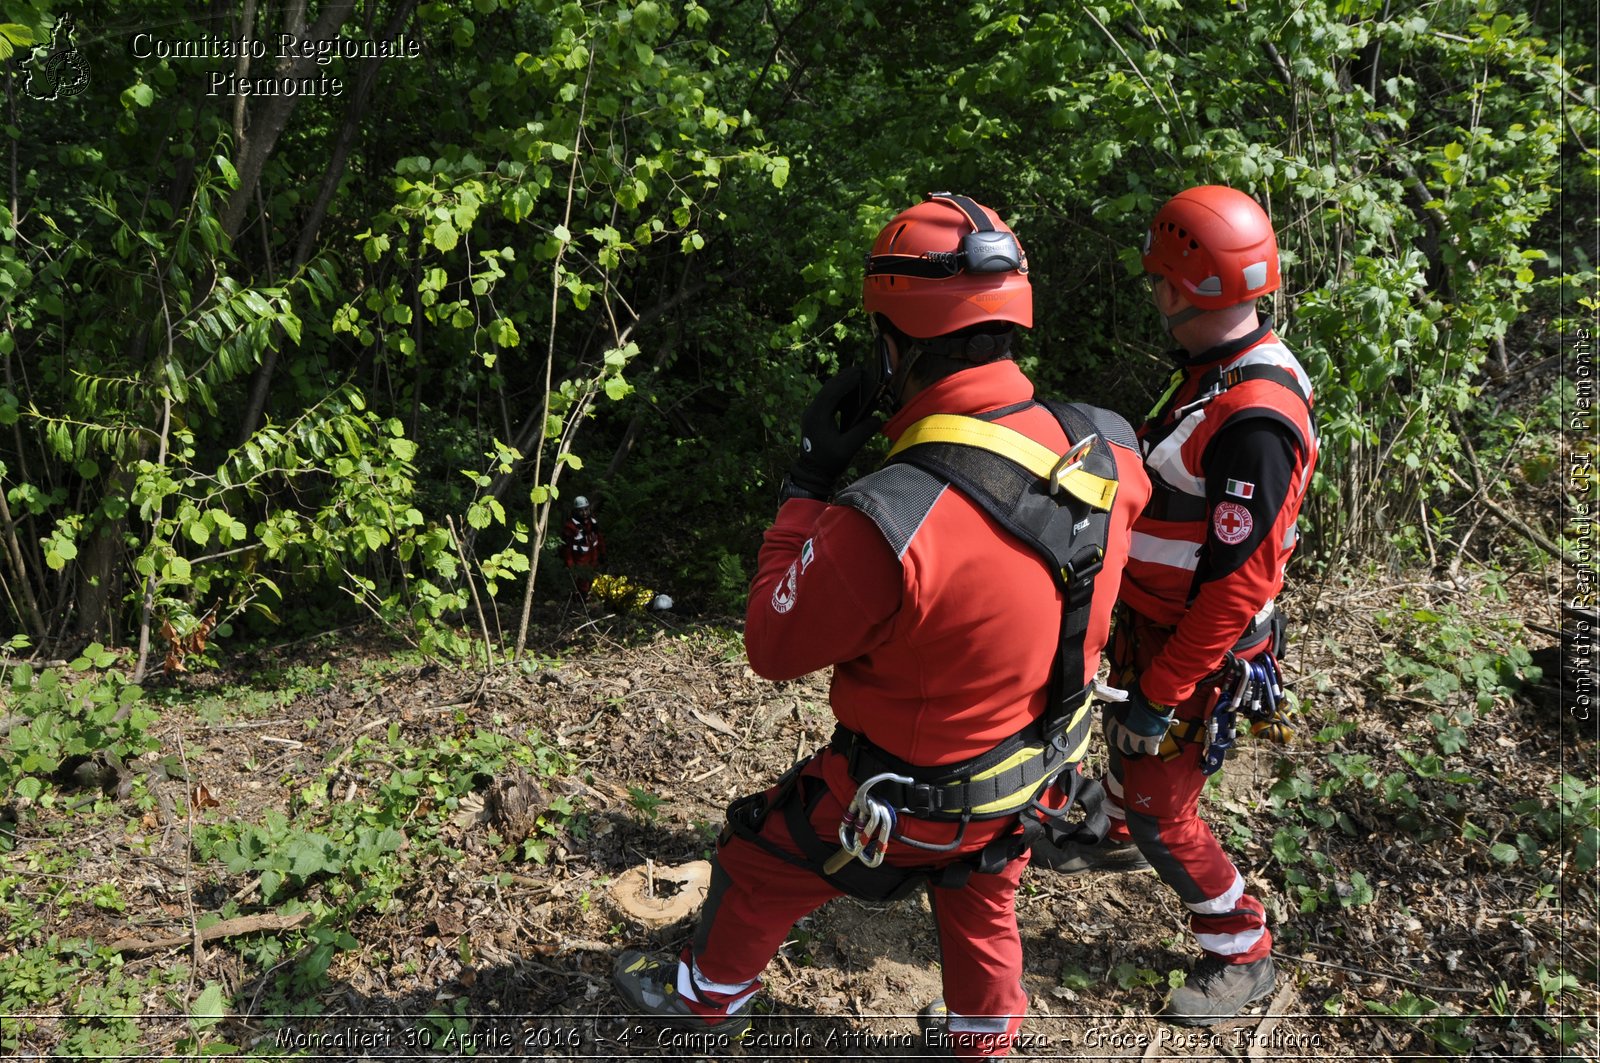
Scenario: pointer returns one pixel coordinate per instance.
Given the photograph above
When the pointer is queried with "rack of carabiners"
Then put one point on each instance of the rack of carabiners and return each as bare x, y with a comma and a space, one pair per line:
869, 824
1253, 689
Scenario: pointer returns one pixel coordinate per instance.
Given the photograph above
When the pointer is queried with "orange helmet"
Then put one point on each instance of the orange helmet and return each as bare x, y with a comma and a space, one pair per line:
946, 264
1216, 244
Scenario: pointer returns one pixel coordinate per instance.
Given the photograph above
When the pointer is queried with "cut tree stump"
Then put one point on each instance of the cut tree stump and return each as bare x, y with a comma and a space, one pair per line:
638, 892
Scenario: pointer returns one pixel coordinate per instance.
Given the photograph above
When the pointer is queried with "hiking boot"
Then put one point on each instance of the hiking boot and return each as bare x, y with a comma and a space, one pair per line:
932, 1022
1071, 857
1217, 990
649, 986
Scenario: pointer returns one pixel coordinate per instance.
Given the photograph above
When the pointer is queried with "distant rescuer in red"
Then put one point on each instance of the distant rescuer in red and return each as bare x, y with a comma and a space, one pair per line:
1230, 450
583, 546
962, 658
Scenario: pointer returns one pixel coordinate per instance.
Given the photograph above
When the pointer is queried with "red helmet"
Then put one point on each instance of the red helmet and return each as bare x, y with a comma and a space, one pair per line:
1216, 244
946, 264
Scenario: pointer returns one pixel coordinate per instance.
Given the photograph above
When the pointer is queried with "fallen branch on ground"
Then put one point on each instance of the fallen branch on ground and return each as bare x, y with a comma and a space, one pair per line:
227, 928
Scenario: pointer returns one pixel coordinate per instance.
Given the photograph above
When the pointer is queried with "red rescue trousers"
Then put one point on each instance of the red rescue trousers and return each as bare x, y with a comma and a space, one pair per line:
750, 916
1155, 802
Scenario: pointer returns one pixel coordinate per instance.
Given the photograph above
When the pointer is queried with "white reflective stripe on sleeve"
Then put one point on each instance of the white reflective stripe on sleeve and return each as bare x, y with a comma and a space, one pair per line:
1230, 944
1221, 905
1172, 553
977, 1023
1275, 354
1166, 460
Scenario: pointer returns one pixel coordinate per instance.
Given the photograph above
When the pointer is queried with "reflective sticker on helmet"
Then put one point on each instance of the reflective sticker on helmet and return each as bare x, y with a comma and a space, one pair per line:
783, 597
1255, 275
1232, 523
1209, 286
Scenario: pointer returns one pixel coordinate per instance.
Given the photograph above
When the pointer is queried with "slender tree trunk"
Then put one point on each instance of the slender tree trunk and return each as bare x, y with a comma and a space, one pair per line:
344, 140
274, 117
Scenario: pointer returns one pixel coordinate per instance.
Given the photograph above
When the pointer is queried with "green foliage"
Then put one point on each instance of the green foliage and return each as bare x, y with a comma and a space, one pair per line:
246, 388
340, 858
70, 717
1132, 976
1571, 822
1447, 1028
101, 1017
647, 804
1445, 656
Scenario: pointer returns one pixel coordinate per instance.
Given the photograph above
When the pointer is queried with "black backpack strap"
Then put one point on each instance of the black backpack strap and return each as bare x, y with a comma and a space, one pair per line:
1063, 516
1218, 380
1079, 422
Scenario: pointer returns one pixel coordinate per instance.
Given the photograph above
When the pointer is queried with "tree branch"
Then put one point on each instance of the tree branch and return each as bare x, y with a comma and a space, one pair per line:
261, 381
253, 155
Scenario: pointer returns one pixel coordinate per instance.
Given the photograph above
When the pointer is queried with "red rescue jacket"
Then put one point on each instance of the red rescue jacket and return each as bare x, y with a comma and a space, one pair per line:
1229, 466
940, 653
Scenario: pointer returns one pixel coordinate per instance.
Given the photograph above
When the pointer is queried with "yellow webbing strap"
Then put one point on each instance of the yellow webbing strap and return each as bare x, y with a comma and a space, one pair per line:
1096, 491
1016, 801
1172, 386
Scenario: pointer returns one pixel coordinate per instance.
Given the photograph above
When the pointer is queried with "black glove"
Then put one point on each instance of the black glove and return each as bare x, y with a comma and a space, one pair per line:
835, 425
1136, 727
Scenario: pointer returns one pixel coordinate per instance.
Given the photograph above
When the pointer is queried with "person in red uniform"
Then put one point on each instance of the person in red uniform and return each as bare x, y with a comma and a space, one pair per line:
1230, 450
583, 546
941, 630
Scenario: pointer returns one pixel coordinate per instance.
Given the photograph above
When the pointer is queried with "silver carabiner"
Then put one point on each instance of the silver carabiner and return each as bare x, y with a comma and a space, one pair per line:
1071, 462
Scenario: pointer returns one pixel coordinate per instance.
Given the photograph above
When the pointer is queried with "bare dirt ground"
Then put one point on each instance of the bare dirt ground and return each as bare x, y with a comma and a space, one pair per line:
665, 724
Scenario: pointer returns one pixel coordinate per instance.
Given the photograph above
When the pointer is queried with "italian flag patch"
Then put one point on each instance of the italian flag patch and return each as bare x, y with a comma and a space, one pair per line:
1240, 489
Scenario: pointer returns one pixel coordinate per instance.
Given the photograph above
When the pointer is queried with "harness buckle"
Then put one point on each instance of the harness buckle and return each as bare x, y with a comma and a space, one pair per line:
921, 798
1078, 577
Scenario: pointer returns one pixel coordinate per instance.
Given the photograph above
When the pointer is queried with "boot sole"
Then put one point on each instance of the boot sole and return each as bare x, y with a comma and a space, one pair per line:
1246, 1013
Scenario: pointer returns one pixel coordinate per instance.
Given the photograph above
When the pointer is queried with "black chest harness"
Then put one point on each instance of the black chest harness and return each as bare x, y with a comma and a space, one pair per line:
1060, 506
1167, 502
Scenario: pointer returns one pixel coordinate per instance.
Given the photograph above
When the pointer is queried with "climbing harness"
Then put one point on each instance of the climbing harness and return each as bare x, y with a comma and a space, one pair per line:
1058, 505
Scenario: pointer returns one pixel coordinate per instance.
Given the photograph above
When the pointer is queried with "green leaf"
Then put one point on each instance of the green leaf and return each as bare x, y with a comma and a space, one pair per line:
142, 94
445, 236
229, 174
209, 1007
505, 333
780, 172
1586, 854
1504, 852
17, 33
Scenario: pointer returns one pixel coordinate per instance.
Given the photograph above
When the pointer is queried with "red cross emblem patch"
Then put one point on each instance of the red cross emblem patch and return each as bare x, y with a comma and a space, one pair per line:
1232, 523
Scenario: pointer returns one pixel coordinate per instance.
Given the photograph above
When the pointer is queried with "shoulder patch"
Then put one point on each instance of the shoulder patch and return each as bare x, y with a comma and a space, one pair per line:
787, 591
1232, 523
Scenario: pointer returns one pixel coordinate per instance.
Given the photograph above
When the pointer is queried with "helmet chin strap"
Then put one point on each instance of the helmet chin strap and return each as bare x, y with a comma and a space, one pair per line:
901, 377
1172, 321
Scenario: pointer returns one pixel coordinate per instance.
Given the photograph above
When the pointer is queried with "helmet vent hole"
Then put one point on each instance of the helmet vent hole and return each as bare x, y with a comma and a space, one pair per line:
1193, 246
1183, 234
896, 237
